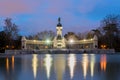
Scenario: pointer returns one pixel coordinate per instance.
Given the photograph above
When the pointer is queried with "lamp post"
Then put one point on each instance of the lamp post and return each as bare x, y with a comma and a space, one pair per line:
71, 42
47, 42
103, 46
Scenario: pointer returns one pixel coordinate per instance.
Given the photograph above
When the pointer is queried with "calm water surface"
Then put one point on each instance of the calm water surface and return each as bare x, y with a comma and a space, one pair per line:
60, 67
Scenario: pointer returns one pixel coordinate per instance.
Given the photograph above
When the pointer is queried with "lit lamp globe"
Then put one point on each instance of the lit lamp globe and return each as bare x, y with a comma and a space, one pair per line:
47, 41
71, 41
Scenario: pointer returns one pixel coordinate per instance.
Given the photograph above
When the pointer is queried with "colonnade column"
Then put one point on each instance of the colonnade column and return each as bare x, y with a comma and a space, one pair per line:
23, 41
95, 42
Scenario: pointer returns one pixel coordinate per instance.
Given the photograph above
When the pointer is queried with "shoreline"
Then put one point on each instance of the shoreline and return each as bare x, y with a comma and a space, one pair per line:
64, 51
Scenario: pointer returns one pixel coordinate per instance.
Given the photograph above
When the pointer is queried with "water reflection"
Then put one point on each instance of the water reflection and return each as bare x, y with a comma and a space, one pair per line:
13, 60
48, 64
92, 64
34, 64
59, 64
85, 64
103, 62
60, 67
7, 64
71, 64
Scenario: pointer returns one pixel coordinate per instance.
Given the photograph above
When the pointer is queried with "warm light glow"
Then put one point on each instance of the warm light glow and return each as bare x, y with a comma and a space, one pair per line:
84, 39
103, 46
34, 40
103, 62
91, 39
12, 46
48, 64
71, 64
47, 41
34, 64
86, 46
92, 64
85, 64
71, 40
13, 60
7, 64
7, 46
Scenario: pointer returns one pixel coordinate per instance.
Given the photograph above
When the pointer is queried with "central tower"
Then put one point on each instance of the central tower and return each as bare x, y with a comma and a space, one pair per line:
59, 28
59, 40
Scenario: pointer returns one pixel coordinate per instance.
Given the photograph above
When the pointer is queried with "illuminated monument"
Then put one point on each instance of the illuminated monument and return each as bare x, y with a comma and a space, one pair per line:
59, 42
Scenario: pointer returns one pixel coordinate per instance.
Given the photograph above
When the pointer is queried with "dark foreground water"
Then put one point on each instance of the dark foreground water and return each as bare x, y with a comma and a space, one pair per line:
60, 67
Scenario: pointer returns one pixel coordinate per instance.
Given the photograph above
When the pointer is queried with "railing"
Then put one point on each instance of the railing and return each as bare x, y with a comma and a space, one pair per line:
94, 51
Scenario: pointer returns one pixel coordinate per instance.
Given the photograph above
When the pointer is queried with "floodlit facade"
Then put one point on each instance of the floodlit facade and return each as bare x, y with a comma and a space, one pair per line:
59, 42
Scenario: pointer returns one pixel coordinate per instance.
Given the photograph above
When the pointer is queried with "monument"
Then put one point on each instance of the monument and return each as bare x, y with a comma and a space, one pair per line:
59, 42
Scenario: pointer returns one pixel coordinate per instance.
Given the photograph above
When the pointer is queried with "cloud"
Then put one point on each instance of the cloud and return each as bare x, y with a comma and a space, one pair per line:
12, 7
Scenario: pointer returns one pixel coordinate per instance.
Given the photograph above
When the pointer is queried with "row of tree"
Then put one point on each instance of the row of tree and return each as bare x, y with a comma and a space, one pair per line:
9, 37
108, 34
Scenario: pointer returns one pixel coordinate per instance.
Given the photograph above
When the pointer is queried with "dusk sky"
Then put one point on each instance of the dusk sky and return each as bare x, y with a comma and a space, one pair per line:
33, 16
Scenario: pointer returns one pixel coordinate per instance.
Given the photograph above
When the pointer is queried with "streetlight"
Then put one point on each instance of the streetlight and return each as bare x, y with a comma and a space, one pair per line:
103, 46
71, 42
47, 42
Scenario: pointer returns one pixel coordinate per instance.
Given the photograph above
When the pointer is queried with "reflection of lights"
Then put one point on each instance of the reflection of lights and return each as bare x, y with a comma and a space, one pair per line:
48, 64
92, 64
103, 62
7, 64
59, 65
13, 60
35, 64
71, 64
85, 64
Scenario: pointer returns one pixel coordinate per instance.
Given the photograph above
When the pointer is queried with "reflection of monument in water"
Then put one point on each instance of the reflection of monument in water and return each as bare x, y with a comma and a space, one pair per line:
59, 41
59, 64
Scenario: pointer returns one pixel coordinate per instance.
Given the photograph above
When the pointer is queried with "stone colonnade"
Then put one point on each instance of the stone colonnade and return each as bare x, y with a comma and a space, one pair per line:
81, 44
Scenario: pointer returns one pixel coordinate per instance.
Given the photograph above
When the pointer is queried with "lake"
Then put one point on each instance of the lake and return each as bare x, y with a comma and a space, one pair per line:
60, 67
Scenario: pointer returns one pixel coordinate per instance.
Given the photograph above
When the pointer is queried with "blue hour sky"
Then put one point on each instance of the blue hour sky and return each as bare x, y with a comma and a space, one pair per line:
33, 16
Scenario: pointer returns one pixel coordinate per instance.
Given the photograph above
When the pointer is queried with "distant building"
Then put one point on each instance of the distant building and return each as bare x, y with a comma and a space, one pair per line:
59, 42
